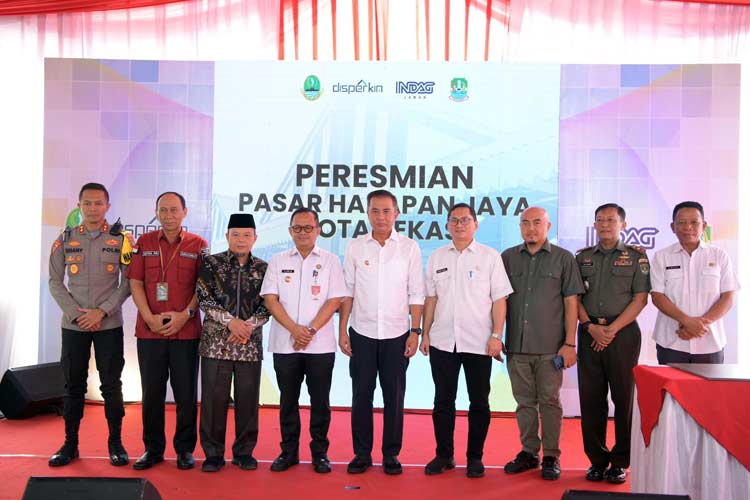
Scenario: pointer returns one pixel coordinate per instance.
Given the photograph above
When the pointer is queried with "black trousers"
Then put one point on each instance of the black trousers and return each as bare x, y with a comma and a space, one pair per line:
383, 360
317, 371
477, 370
176, 360
76, 352
216, 381
610, 370
665, 355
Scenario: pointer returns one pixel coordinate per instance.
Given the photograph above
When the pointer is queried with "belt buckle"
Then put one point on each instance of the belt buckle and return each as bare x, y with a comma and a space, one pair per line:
601, 321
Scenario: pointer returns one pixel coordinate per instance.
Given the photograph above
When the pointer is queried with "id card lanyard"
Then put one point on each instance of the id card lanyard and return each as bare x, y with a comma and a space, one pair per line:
162, 287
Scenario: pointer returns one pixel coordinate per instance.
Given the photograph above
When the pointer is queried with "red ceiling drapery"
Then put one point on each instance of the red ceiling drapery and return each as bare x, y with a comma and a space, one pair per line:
33, 7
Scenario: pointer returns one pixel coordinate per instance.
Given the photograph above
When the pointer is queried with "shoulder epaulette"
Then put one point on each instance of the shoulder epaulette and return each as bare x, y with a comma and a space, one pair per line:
636, 248
584, 249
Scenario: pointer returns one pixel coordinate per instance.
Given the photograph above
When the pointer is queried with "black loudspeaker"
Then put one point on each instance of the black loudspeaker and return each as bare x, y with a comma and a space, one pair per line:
29, 390
90, 488
607, 495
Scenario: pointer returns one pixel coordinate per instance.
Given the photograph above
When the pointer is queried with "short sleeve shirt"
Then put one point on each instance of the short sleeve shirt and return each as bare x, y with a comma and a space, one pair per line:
466, 285
611, 278
303, 286
178, 264
535, 322
693, 283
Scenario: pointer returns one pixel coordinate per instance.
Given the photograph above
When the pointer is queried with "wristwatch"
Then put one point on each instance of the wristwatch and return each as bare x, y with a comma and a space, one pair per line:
418, 331
497, 336
191, 312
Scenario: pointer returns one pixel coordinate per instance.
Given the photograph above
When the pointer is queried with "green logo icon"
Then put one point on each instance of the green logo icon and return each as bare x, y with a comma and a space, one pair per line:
311, 89
706, 236
459, 89
74, 218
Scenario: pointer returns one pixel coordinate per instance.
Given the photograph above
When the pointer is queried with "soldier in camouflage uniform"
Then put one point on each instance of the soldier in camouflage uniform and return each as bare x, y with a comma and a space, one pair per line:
231, 345
616, 278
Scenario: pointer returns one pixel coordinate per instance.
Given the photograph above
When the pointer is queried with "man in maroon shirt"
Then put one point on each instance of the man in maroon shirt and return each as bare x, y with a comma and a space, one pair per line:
162, 276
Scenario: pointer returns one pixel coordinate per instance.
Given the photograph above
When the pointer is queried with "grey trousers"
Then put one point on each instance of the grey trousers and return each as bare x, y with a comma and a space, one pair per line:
536, 387
216, 380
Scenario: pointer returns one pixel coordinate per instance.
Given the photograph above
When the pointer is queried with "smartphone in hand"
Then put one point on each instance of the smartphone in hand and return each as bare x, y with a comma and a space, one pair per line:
559, 362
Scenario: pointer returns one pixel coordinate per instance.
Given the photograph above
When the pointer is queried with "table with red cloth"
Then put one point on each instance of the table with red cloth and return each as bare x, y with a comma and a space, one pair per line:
690, 435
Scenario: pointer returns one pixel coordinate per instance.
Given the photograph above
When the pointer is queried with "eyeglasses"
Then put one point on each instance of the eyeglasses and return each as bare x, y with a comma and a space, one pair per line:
299, 229
454, 221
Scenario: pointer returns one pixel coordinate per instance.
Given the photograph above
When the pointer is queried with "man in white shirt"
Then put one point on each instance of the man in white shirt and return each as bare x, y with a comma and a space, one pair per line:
464, 315
693, 286
302, 289
383, 274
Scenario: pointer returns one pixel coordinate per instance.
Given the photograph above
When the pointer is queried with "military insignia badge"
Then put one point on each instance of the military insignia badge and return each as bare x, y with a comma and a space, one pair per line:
74, 269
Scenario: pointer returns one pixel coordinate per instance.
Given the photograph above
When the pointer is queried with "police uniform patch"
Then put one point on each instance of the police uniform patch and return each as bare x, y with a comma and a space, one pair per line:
74, 269
110, 268
74, 243
55, 245
112, 243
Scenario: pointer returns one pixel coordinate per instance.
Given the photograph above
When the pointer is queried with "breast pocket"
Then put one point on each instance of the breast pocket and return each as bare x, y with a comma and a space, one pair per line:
152, 269
186, 273
711, 280
442, 281
673, 280
110, 260
516, 279
624, 273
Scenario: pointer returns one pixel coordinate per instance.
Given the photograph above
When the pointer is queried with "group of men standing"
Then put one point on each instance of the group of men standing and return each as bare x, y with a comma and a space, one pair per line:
555, 309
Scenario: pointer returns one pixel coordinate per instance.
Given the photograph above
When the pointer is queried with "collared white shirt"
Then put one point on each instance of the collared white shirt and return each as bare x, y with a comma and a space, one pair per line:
466, 285
384, 282
303, 286
693, 283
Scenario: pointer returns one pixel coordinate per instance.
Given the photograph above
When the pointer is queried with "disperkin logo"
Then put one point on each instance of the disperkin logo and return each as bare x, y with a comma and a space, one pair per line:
311, 89
361, 87
415, 90
644, 237
459, 89
74, 218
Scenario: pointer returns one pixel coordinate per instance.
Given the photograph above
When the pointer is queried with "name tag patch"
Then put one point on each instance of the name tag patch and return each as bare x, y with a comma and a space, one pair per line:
623, 263
441, 270
189, 255
287, 271
673, 267
151, 253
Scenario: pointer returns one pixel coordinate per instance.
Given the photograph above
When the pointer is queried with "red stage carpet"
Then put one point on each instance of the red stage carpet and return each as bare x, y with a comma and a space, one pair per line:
25, 446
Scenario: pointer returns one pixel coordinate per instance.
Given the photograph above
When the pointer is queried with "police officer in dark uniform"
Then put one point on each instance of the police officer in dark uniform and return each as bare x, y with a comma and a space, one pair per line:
616, 279
94, 256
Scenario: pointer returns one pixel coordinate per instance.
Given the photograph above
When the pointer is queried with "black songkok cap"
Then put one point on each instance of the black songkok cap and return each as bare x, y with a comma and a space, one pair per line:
241, 220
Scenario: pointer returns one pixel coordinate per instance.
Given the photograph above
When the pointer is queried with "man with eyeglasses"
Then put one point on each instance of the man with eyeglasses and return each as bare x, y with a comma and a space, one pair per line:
540, 338
693, 286
383, 275
464, 315
302, 289
616, 279
162, 276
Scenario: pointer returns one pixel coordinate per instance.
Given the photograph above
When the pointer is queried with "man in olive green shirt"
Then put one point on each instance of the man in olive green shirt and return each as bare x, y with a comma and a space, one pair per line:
541, 326
616, 278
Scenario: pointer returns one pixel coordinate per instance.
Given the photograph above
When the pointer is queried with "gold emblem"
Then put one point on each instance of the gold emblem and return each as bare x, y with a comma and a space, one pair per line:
74, 269
367, 262
318, 266
287, 279
74, 243
110, 267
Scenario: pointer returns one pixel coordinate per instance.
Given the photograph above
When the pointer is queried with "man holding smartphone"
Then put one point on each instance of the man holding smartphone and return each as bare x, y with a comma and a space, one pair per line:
541, 325
162, 276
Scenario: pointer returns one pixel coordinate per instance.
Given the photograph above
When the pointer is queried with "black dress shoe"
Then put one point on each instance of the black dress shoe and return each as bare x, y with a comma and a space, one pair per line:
245, 462
117, 455
524, 461
185, 460
595, 473
550, 468
359, 464
283, 462
616, 475
321, 464
438, 465
474, 468
213, 464
148, 460
64, 455
392, 466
